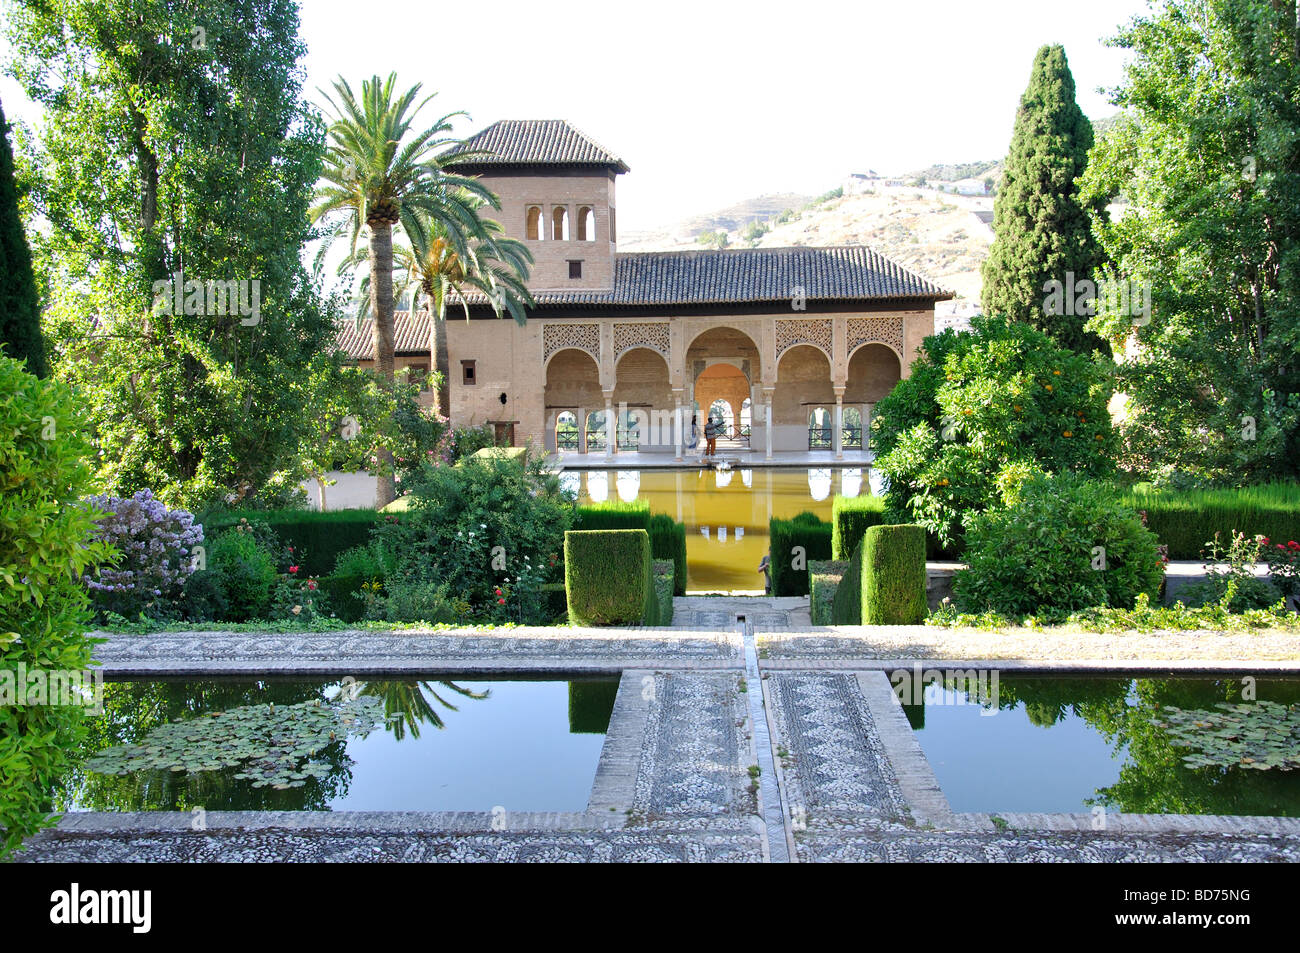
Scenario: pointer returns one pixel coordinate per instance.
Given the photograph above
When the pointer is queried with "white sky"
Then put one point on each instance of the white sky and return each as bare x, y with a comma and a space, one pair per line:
713, 102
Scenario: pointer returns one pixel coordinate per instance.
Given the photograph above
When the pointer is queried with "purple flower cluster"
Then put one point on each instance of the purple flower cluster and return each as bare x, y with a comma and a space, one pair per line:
157, 547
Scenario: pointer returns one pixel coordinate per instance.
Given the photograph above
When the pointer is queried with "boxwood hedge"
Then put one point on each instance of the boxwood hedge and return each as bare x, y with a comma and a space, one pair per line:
607, 577
893, 575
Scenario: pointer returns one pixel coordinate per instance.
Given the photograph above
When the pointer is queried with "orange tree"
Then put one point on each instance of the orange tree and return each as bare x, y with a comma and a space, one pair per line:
986, 403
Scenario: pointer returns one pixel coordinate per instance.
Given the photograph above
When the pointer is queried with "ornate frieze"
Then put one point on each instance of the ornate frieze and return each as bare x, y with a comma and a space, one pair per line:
557, 336
815, 331
651, 334
875, 331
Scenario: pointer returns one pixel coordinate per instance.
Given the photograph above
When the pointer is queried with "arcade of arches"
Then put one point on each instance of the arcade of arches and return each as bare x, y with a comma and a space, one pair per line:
794, 402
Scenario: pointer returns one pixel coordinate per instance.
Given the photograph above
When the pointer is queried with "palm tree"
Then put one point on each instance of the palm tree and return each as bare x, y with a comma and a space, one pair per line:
378, 174
495, 268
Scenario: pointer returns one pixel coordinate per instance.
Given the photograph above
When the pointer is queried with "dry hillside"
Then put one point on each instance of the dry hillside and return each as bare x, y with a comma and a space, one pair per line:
931, 232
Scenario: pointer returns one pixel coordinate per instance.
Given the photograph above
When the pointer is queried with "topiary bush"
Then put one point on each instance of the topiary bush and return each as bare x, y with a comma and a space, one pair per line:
846, 606
824, 579
607, 576
1058, 544
663, 570
850, 517
668, 541
47, 543
789, 566
157, 546
893, 575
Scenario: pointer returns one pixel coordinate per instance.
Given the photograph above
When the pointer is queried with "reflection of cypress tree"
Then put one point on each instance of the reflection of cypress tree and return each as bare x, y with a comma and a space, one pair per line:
915, 714
591, 703
407, 701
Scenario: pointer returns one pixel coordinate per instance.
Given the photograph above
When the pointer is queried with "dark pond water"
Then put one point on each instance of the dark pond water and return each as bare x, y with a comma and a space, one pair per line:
1073, 744
427, 745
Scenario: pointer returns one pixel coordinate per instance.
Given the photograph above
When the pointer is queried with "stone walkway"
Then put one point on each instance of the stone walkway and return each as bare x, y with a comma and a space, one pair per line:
759, 740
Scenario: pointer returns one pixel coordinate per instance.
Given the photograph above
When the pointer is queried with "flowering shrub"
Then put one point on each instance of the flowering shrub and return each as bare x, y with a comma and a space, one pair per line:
475, 529
300, 600
1283, 565
157, 547
244, 568
1230, 577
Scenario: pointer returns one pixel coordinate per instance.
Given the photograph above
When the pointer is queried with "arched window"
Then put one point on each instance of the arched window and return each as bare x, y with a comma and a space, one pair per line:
586, 223
596, 430
852, 430
721, 410
566, 431
560, 223
819, 429
533, 222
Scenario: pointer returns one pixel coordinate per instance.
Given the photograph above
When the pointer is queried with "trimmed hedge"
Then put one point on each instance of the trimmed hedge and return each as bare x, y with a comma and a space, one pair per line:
805, 530
667, 536
851, 515
612, 515
1186, 520
824, 579
664, 572
893, 575
668, 541
607, 579
846, 608
317, 537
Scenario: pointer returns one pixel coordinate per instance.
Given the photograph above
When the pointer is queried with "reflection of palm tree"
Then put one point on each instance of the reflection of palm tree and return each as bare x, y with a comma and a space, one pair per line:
406, 706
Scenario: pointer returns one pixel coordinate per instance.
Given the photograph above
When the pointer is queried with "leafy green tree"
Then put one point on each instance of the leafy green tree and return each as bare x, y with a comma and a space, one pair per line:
46, 544
1207, 150
985, 404
379, 174
1042, 230
20, 314
175, 165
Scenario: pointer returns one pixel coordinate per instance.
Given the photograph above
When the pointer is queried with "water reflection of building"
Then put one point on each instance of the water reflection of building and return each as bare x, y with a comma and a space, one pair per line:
794, 345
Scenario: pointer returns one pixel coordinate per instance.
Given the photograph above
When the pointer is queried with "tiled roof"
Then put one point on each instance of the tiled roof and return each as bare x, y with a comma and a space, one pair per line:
539, 142
411, 333
850, 273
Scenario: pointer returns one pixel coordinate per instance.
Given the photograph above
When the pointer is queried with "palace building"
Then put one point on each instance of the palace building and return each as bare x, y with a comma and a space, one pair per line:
789, 347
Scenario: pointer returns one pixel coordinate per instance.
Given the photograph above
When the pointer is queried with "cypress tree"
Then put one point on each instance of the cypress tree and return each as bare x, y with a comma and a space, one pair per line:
20, 315
1041, 229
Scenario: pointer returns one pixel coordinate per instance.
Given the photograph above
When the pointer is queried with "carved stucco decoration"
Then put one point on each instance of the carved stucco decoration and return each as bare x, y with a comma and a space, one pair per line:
815, 331
556, 337
653, 335
887, 331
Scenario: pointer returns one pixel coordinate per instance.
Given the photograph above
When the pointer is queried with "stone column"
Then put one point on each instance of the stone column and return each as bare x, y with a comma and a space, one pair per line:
677, 425
769, 394
611, 425
839, 423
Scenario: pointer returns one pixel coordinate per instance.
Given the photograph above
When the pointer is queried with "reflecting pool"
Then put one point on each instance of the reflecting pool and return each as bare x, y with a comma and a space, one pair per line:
1074, 744
726, 512
289, 745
